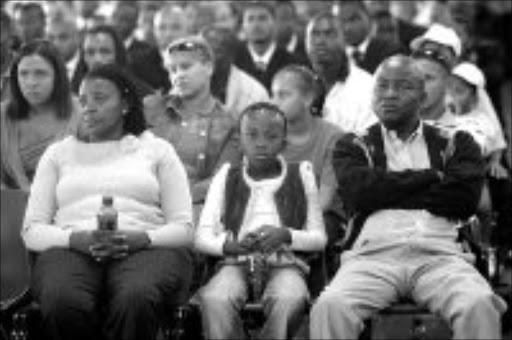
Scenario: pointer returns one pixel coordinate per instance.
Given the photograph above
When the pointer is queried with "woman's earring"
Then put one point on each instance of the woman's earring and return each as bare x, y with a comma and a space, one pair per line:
124, 112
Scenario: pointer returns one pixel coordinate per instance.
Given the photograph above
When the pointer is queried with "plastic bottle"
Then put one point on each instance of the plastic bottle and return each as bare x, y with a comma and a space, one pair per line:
107, 216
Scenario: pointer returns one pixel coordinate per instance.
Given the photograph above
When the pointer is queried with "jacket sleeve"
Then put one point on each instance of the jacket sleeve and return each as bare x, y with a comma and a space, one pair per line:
366, 188
458, 194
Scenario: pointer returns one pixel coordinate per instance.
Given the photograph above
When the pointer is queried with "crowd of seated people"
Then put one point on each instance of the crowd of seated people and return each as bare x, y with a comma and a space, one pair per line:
233, 132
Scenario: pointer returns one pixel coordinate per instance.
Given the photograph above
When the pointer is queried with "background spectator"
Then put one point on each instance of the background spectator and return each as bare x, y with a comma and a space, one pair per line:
235, 88
260, 56
39, 110
30, 20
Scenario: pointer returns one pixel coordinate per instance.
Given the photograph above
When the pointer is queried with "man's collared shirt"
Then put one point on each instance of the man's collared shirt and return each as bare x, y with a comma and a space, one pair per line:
361, 49
398, 225
405, 154
71, 65
262, 61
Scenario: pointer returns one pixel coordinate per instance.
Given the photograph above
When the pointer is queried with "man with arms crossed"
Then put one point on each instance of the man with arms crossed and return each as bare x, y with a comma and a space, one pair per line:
408, 184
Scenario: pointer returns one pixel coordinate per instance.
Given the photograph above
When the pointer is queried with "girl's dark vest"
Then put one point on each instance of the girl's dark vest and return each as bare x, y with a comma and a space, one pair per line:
290, 199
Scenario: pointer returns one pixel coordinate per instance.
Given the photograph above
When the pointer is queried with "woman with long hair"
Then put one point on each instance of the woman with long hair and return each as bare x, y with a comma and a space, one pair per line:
39, 110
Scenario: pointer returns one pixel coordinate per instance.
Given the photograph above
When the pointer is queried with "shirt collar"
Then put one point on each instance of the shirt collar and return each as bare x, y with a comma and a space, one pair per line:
71, 64
265, 58
392, 136
129, 41
362, 47
252, 183
292, 44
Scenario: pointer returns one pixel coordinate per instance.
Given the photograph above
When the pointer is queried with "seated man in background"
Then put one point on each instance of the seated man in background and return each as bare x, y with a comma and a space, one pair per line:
408, 183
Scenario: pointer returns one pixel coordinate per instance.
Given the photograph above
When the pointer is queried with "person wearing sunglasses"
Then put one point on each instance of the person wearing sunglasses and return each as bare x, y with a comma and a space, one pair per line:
190, 117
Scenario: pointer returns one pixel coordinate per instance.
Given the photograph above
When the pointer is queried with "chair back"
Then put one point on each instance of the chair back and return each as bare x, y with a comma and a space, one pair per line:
14, 264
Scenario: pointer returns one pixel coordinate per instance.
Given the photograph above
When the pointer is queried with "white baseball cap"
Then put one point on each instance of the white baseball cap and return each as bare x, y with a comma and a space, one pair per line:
442, 35
470, 73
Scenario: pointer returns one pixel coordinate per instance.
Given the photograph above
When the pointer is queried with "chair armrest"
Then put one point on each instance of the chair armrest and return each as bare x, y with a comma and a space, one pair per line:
12, 305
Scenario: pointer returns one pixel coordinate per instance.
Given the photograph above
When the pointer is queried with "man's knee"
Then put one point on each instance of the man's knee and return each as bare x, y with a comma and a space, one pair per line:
483, 303
329, 303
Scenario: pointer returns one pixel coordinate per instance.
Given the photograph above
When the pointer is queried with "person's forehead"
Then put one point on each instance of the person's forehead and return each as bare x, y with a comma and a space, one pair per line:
429, 66
34, 60
323, 24
193, 56
432, 45
98, 85
397, 70
100, 38
257, 10
263, 118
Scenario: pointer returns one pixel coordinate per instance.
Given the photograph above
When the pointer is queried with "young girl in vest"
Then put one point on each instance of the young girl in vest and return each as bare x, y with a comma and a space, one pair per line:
261, 206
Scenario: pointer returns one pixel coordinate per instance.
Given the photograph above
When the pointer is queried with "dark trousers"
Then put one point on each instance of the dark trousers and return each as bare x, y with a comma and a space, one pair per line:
127, 299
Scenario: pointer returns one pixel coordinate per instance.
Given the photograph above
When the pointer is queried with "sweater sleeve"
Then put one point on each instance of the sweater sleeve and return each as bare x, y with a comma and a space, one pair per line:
176, 201
211, 233
39, 233
313, 237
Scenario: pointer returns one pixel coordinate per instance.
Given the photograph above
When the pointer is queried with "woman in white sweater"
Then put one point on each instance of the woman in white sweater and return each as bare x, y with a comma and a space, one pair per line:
117, 284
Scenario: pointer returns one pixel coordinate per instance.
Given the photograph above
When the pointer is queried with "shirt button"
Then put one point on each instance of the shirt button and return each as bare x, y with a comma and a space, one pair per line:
202, 133
184, 124
200, 156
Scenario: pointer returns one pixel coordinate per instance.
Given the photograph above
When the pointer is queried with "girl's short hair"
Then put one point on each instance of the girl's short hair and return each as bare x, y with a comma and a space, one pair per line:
309, 83
60, 98
134, 121
263, 107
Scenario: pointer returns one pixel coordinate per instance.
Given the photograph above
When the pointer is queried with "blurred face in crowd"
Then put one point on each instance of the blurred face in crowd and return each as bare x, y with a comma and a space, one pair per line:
86, 8
398, 93
64, 35
224, 15
289, 95
262, 137
30, 21
124, 19
222, 42
462, 95
6, 36
258, 24
355, 23
436, 80
323, 43
99, 49
189, 73
170, 24
286, 21
377, 6
103, 107
36, 78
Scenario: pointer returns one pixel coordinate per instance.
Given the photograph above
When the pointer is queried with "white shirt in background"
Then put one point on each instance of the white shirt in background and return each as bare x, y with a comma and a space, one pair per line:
349, 104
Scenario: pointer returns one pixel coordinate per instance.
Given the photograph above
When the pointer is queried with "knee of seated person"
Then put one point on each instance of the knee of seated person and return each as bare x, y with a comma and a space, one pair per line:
485, 301
61, 299
135, 294
287, 298
330, 302
211, 298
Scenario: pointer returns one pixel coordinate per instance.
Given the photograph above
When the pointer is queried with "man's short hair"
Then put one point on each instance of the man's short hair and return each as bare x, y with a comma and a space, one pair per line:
267, 5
